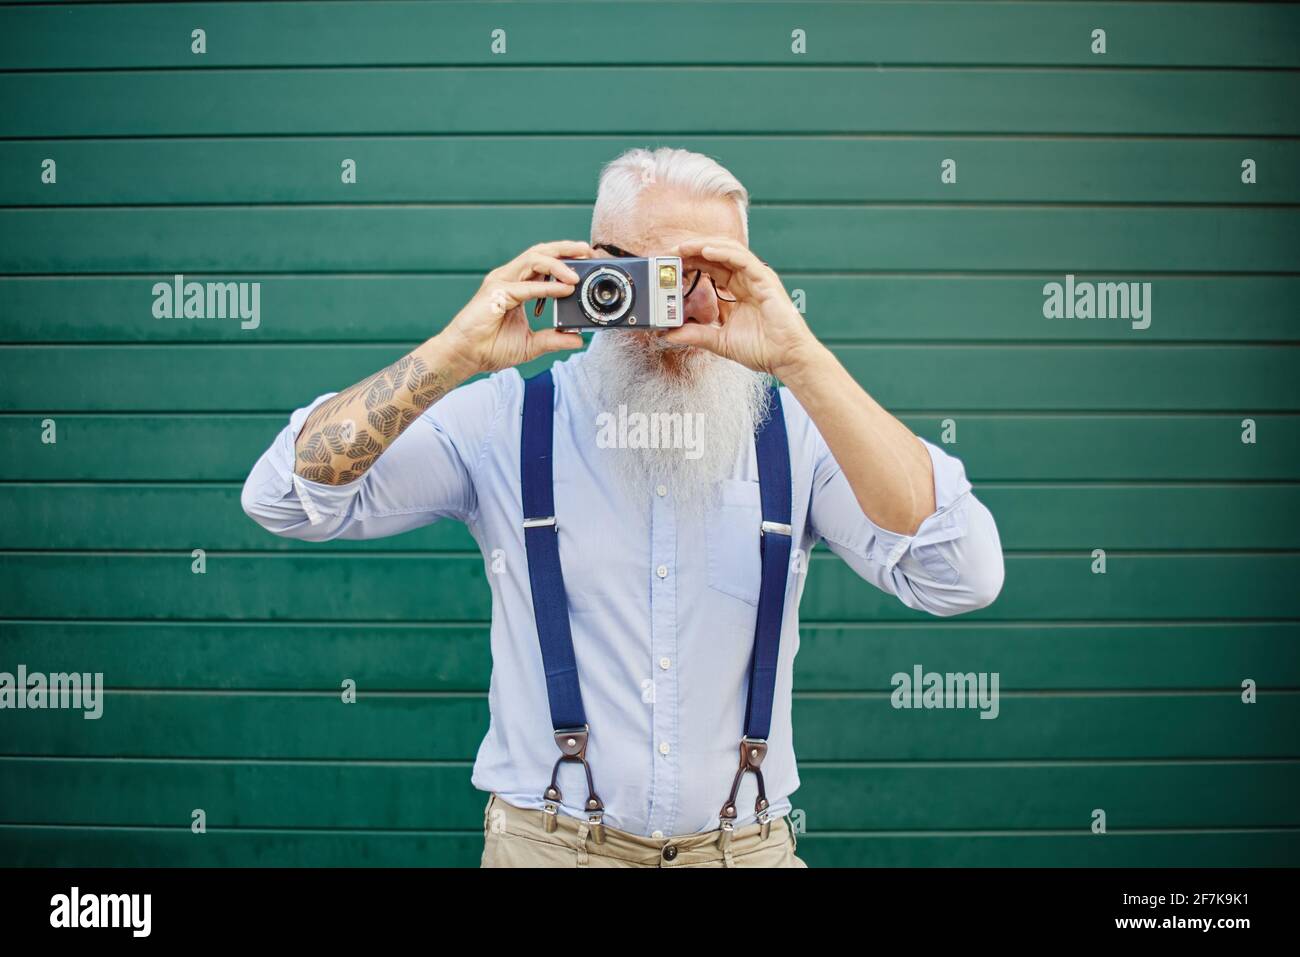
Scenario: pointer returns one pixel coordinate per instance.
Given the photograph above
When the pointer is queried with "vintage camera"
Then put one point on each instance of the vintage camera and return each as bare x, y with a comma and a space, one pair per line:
623, 294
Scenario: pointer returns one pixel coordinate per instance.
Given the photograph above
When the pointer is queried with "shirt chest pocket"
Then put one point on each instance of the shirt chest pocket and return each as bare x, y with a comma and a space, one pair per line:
732, 534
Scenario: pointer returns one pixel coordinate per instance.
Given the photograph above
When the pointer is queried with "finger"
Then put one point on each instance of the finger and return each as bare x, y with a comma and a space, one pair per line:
543, 341
696, 334
721, 273
539, 289
695, 247
538, 264
696, 243
505, 296
721, 252
572, 248
565, 249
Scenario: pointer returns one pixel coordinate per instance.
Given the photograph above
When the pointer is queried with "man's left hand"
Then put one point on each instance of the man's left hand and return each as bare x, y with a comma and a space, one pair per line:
762, 329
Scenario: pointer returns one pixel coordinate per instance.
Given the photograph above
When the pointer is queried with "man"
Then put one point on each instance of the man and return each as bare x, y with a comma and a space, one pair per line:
660, 546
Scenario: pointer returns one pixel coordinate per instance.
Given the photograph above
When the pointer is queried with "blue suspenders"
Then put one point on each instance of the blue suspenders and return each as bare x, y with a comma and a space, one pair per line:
772, 449
550, 604
551, 607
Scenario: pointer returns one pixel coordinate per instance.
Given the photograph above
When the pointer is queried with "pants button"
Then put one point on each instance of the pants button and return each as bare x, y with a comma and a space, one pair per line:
670, 852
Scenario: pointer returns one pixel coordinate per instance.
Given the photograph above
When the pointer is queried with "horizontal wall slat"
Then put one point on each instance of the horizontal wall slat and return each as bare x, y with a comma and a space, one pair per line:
476, 239
129, 517
1186, 655
440, 797
1257, 516
1067, 448
1114, 849
958, 797
171, 517
399, 308
494, 99
487, 169
833, 728
131, 847
827, 728
283, 656
947, 379
152, 847
456, 33
361, 586
1140, 586
314, 656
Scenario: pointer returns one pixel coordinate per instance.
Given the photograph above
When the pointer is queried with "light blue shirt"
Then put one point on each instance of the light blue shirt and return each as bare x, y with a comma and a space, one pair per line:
662, 609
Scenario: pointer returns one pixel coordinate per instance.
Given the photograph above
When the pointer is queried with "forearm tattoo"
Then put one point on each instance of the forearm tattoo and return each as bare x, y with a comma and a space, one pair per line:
346, 433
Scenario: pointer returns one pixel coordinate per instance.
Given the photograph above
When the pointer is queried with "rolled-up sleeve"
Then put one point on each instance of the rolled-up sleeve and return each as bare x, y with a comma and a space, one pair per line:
425, 475
951, 564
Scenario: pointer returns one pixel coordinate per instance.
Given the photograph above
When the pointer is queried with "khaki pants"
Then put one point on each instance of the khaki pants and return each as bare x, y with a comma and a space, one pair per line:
516, 837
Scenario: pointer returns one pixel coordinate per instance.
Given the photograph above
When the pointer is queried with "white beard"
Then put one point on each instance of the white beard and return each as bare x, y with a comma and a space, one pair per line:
715, 404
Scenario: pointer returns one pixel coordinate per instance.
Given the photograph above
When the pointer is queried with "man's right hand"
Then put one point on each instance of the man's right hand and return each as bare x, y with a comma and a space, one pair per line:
346, 434
492, 331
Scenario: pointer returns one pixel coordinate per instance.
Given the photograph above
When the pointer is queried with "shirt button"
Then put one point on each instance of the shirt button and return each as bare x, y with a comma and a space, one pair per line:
657, 835
662, 571
665, 664
663, 747
670, 853
661, 490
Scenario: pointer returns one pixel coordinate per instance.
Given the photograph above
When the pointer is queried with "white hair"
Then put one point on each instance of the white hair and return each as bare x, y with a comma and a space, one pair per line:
624, 179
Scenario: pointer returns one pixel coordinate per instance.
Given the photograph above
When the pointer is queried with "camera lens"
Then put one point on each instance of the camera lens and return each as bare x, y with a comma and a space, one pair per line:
606, 295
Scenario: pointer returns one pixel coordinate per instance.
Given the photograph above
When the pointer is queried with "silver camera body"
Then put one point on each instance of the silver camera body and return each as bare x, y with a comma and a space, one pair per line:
623, 294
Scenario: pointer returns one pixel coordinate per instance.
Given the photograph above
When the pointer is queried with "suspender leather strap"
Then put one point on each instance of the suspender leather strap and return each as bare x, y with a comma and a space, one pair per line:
772, 450
550, 604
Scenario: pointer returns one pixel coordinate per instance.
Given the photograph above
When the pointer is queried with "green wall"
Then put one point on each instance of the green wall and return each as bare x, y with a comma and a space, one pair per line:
1120, 691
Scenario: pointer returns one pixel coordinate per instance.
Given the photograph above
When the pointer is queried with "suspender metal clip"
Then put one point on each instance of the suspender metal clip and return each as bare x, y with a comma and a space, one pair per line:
752, 753
572, 743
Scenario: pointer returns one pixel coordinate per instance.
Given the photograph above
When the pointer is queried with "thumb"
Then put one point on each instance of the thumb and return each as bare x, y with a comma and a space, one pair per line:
542, 341
696, 334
